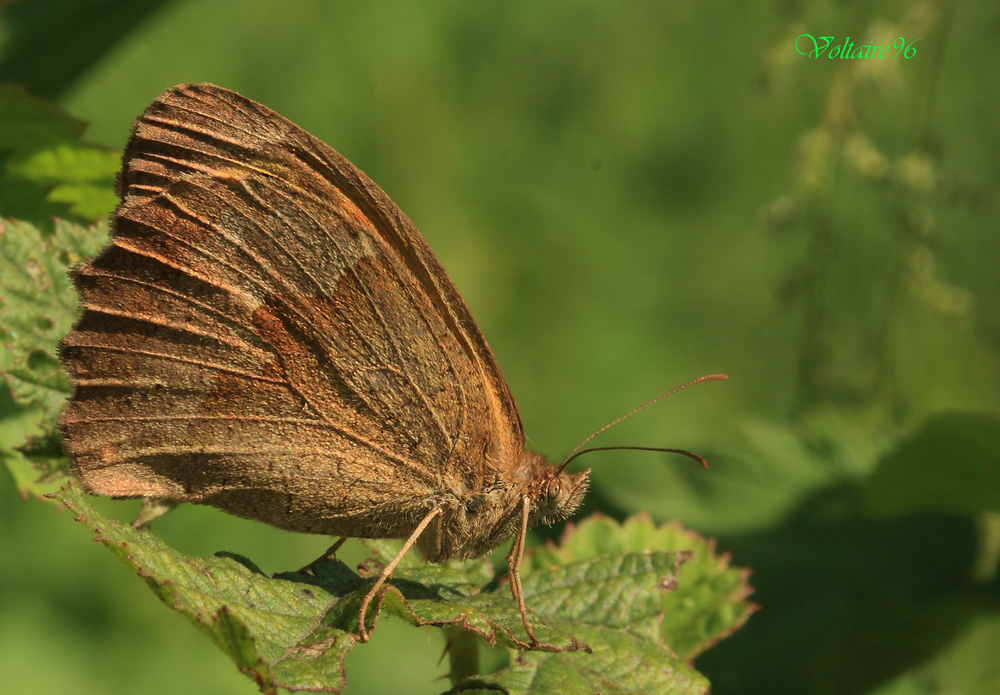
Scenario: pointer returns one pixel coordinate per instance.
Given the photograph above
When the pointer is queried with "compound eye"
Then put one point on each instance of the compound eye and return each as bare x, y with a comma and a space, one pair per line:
555, 487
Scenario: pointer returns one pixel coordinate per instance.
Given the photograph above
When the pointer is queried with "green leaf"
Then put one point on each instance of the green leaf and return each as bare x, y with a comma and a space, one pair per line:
293, 630
89, 201
52, 44
968, 665
69, 164
28, 124
898, 632
38, 307
643, 612
24, 472
709, 601
620, 663
952, 464
30, 475
442, 595
273, 629
46, 169
78, 175
492, 615
606, 598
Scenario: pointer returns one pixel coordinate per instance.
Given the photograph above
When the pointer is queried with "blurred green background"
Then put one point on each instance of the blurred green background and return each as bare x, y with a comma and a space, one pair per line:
628, 195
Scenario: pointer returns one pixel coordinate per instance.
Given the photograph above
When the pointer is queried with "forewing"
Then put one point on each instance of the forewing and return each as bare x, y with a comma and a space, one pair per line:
267, 330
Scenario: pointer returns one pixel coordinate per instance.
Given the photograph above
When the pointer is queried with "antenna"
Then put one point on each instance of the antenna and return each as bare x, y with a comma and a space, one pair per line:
576, 451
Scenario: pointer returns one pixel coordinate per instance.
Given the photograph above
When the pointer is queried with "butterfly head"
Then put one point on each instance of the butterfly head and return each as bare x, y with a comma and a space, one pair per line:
557, 493
562, 495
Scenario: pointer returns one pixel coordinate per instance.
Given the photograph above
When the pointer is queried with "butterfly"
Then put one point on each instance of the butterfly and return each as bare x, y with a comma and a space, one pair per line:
268, 334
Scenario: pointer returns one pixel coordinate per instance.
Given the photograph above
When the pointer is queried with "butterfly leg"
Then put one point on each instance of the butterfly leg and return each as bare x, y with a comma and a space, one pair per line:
514, 571
152, 509
366, 601
329, 554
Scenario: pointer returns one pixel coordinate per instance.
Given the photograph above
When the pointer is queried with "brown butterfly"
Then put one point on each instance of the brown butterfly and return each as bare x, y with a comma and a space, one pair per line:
267, 333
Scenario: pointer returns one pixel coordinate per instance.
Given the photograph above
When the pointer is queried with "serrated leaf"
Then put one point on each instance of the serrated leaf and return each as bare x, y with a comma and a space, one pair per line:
44, 453
951, 464
275, 630
46, 170
31, 475
292, 630
709, 600
460, 600
68, 163
38, 307
89, 201
80, 176
619, 663
444, 595
616, 588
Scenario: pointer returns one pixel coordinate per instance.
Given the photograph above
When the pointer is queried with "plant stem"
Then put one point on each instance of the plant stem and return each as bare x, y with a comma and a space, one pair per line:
463, 654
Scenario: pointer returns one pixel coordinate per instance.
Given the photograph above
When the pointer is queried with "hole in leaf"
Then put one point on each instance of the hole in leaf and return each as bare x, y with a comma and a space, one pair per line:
39, 361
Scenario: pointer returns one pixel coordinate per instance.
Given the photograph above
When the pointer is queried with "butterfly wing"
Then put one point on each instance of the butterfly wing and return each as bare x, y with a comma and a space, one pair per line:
269, 334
